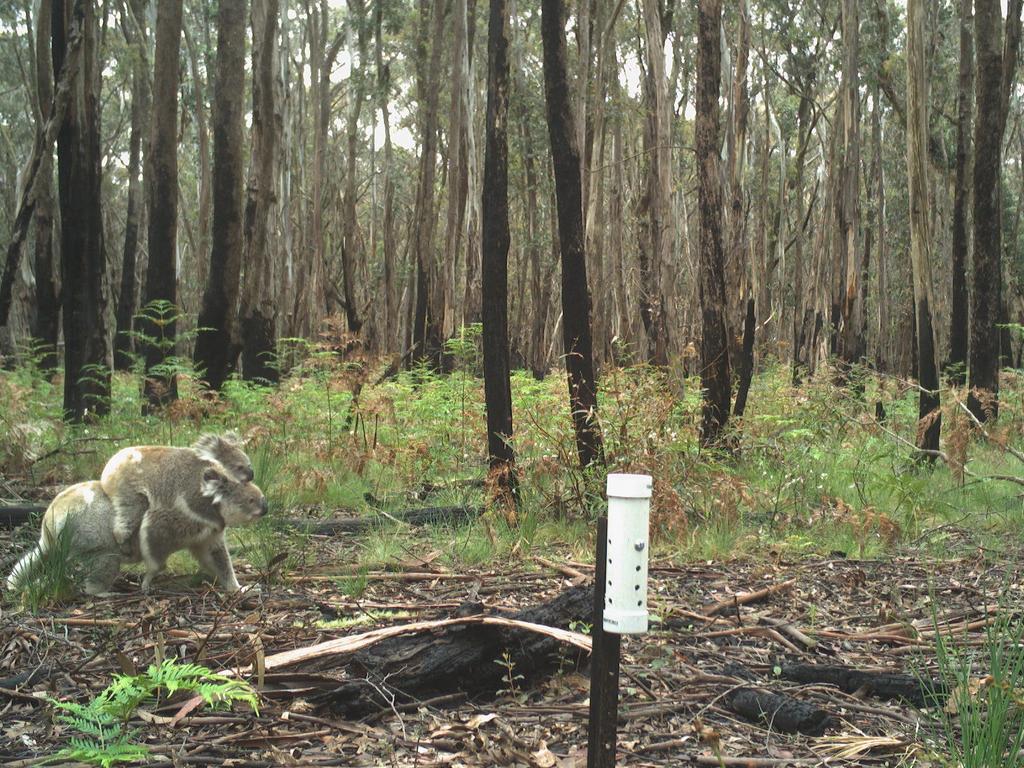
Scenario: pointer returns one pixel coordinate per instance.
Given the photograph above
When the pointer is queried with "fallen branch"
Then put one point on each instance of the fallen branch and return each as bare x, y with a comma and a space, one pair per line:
478, 655
744, 598
879, 683
343, 646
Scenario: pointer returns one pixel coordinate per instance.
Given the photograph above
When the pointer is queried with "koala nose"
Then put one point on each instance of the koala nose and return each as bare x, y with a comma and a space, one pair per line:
263, 506
249, 474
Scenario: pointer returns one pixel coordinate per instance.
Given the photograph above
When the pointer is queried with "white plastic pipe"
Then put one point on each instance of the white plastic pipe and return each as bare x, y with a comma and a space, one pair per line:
629, 513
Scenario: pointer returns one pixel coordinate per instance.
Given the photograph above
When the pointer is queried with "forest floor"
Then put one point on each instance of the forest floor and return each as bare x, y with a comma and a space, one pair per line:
869, 558
868, 614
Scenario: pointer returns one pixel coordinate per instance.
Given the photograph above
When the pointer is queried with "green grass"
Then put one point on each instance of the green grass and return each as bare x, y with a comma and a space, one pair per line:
982, 721
811, 475
55, 577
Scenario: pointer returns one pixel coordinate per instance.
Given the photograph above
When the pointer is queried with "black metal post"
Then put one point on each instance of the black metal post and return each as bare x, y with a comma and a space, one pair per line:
604, 668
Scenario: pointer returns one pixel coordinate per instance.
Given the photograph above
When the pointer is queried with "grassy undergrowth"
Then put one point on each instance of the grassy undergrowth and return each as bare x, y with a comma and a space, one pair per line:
812, 473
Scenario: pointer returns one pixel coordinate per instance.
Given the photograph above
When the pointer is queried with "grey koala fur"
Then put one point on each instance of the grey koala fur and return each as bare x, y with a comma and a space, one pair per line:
194, 521
150, 477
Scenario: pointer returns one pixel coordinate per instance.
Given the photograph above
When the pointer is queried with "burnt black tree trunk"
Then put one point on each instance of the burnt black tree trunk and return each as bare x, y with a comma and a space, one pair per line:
957, 364
746, 361
495, 244
216, 349
929, 415
714, 346
162, 163
992, 78
86, 350
258, 313
127, 301
579, 359
46, 318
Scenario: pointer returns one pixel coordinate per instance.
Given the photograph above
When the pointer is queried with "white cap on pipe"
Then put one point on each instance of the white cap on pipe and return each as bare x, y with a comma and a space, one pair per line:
625, 486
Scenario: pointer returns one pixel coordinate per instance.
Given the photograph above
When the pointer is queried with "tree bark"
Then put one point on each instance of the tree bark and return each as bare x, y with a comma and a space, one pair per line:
804, 129
458, 179
128, 295
426, 329
388, 214
565, 153
495, 239
162, 164
83, 263
204, 209
258, 313
929, 416
883, 329
351, 247
959, 300
46, 318
992, 74
714, 349
217, 348
850, 256
659, 186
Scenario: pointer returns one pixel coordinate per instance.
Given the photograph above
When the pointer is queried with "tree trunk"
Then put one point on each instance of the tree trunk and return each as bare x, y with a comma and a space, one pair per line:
565, 153
804, 128
46, 318
203, 212
258, 314
83, 262
494, 270
659, 185
850, 256
388, 223
217, 348
714, 348
161, 273
426, 330
929, 416
738, 262
351, 248
128, 295
458, 180
988, 142
884, 331
959, 300
536, 347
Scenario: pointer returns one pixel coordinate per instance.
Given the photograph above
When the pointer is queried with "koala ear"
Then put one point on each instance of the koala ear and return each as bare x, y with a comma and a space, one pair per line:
206, 446
232, 438
213, 482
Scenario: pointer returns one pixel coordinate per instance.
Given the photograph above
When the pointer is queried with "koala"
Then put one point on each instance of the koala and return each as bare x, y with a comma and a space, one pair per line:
151, 476
195, 521
89, 512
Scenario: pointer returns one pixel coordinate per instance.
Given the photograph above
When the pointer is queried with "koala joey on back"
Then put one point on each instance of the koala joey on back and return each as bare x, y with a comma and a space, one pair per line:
195, 521
151, 476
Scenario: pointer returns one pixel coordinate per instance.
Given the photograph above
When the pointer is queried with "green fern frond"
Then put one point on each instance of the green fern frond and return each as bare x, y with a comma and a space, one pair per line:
105, 755
105, 739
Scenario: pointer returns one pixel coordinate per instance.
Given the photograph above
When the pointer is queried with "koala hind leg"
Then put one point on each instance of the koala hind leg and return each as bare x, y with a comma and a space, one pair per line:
129, 510
104, 569
154, 555
212, 556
